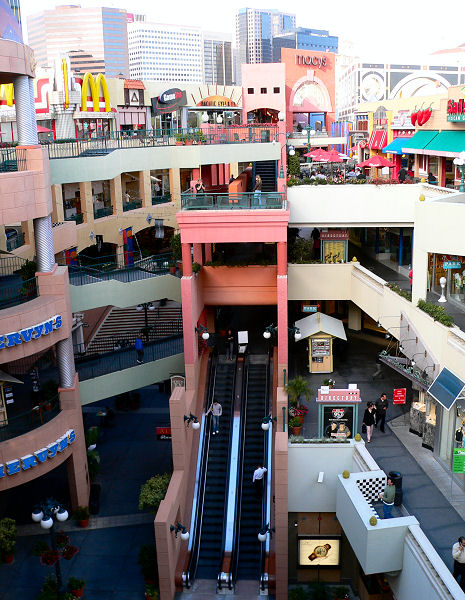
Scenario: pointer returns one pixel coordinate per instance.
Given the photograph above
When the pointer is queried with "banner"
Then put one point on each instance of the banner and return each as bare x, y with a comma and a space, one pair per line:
128, 247
71, 256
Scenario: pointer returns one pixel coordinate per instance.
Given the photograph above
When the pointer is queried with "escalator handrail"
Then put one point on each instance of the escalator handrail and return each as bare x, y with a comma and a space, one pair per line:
235, 552
266, 506
200, 479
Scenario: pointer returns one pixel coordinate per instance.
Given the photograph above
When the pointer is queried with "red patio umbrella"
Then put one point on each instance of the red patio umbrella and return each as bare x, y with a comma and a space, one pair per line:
334, 156
377, 161
313, 152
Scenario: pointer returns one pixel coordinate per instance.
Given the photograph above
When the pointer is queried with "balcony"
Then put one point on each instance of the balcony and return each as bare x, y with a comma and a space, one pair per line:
133, 205
161, 199
244, 201
27, 421
78, 218
12, 159
14, 291
106, 211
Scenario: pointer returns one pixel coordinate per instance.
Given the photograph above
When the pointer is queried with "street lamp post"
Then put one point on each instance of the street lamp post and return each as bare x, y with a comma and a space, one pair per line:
145, 306
46, 513
460, 163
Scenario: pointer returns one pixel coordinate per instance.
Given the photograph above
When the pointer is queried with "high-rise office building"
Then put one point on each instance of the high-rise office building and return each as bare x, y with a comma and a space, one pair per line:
162, 52
217, 58
16, 8
98, 32
305, 39
255, 29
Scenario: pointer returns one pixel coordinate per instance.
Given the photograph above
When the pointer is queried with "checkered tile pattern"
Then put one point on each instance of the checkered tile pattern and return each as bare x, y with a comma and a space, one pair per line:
371, 488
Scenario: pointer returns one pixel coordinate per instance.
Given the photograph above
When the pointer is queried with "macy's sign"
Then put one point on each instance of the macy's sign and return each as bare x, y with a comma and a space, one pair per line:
315, 61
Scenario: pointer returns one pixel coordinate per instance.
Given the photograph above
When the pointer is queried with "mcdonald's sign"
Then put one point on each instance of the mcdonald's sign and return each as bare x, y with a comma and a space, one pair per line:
6, 92
94, 85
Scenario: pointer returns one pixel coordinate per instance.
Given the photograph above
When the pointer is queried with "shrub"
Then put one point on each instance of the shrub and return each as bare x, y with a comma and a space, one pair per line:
175, 243
81, 513
298, 387
297, 594
294, 422
28, 270
398, 290
147, 560
437, 312
196, 267
8, 533
293, 164
153, 491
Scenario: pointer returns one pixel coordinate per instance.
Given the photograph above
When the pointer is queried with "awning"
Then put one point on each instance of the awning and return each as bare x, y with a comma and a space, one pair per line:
41, 129
446, 143
446, 388
417, 143
395, 147
8, 378
320, 323
377, 139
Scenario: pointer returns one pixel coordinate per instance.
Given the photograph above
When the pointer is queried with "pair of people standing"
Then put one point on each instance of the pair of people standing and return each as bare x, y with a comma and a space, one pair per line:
375, 414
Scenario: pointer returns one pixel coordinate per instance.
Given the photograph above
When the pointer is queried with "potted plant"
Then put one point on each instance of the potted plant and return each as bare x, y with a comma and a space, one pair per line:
8, 533
49, 557
179, 139
49, 590
147, 560
92, 436
296, 389
151, 593
69, 552
196, 267
172, 267
81, 514
295, 425
175, 243
329, 382
76, 586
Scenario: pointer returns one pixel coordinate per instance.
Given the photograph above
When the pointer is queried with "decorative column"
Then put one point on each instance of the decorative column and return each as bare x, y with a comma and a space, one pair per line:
175, 187
145, 188
116, 195
198, 258
283, 334
65, 360
58, 213
25, 117
207, 248
186, 260
43, 237
87, 204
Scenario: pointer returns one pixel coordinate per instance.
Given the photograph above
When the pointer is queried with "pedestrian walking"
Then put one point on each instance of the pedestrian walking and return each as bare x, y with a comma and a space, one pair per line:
410, 276
229, 345
139, 346
381, 410
458, 554
216, 410
257, 190
257, 480
315, 235
388, 498
369, 420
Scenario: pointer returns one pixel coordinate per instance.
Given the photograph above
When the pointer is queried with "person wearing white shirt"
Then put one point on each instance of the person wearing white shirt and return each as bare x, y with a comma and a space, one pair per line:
217, 410
458, 554
257, 480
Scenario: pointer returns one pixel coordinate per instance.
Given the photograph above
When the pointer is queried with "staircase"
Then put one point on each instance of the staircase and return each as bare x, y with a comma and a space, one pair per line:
209, 562
267, 171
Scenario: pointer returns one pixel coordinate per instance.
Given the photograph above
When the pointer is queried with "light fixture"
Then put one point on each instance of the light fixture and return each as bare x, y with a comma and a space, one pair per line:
296, 331
151, 306
179, 528
267, 421
442, 283
219, 119
202, 330
191, 419
387, 335
37, 515
204, 117
281, 115
271, 329
46, 522
264, 532
61, 514
139, 307
91, 235
149, 218
412, 362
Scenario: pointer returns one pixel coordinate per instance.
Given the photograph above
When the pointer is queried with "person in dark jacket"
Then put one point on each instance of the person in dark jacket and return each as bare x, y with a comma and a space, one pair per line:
229, 345
402, 175
381, 410
369, 420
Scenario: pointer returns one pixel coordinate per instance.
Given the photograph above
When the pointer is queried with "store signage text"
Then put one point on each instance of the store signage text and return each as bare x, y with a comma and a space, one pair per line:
163, 433
11, 467
310, 308
15, 338
217, 101
169, 101
458, 463
456, 110
399, 396
315, 61
335, 234
344, 396
451, 264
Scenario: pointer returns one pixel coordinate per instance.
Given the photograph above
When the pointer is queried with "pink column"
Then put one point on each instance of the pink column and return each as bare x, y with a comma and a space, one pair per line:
227, 172
282, 142
186, 260
198, 254
283, 336
208, 252
195, 174
214, 174
282, 258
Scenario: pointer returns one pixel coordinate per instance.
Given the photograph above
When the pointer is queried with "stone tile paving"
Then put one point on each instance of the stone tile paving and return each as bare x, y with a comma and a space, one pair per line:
109, 548
438, 519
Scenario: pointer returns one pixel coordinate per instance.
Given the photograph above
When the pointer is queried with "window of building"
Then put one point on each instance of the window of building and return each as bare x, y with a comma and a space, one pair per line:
263, 90
276, 90
250, 90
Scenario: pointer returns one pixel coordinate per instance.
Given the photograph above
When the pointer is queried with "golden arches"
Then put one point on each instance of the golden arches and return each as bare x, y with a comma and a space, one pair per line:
6, 91
94, 92
64, 67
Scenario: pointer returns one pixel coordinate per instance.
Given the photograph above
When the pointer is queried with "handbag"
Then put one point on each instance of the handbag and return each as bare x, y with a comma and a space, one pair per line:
364, 428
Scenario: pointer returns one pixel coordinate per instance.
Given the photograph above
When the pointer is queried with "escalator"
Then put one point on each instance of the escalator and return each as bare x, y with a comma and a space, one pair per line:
208, 515
252, 514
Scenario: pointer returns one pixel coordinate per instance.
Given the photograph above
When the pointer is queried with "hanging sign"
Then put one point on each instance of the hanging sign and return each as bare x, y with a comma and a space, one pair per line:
399, 396
163, 433
451, 264
458, 462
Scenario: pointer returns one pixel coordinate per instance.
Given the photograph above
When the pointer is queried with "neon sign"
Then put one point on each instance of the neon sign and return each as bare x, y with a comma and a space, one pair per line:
11, 467
15, 338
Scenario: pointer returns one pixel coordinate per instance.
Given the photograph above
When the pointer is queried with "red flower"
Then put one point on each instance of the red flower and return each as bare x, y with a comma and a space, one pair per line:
62, 539
49, 557
68, 552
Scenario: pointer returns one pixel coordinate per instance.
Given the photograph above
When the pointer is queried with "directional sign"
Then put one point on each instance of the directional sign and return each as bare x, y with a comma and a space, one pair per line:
310, 308
451, 264
458, 463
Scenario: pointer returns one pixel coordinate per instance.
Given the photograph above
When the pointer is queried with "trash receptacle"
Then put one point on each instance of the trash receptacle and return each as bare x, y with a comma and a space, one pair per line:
397, 481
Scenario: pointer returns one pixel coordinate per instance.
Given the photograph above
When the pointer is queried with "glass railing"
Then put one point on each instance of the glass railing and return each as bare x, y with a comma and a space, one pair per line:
15, 242
78, 218
29, 420
16, 292
100, 146
132, 205
161, 199
246, 200
103, 212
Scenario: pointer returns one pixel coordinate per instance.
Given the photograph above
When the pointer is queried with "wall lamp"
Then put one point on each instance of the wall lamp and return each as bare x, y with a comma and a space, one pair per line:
267, 421
202, 330
179, 528
425, 374
388, 335
264, 531
412, 362
401, 347
296, 331
272, 330
191, 419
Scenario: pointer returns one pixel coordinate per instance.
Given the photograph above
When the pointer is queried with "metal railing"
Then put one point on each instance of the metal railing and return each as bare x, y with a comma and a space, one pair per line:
161, 199
106, 211
246, 200
78, 218
29, 420
132, 205
17, 292
10, 265
12, 159
103, 364
100, 146
15, 242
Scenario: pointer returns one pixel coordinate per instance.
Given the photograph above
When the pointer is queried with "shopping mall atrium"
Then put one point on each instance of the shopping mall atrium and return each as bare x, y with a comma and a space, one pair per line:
167, 247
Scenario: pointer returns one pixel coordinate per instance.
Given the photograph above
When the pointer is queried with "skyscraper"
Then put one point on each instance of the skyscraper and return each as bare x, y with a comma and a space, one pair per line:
161, 52
255, 29
217, 58
16, 8
98, 32
304, 39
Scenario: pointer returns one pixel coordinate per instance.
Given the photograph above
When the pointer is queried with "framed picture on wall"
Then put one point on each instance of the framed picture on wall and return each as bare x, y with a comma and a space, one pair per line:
319, 551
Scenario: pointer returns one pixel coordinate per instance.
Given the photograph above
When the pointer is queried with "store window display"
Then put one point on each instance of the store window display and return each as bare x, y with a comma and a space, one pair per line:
423, 418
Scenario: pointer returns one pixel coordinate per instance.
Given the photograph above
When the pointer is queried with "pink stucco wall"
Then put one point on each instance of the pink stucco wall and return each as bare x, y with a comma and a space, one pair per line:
239, 286
268, 76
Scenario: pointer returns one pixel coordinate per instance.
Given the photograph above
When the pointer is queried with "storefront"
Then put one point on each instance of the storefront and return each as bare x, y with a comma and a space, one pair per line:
451, 267
320, 329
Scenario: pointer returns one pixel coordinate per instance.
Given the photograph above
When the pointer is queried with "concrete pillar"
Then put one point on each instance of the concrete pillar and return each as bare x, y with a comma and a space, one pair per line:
43, 238
214, 175
282, 258
227, 173
65, 360
198, 258
87, 205
186, 260
233, 170
175, 187
208, 252
58, 212
116, 195
145, 188
25, 118
283, 334
355, 317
